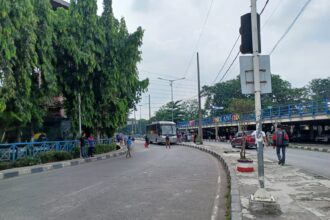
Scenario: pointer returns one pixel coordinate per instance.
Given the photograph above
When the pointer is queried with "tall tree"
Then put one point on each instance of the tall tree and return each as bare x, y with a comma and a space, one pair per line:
117, 84
190, 109
19, 61
76, 32
319, 88
44, 79
165, 112
222, 93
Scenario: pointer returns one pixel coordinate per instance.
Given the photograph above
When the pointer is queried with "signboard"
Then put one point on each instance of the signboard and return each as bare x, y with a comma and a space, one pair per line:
247, 77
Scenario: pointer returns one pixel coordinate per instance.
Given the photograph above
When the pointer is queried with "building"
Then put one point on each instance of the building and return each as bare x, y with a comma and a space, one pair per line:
60, 3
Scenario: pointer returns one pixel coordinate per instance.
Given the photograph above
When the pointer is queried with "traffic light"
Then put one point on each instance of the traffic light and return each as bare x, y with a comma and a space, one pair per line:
246, 34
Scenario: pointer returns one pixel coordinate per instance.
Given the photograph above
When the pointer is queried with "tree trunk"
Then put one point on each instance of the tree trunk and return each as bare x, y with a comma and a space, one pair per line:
3, 136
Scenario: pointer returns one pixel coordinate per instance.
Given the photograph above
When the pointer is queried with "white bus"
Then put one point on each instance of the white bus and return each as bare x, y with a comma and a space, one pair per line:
157, 131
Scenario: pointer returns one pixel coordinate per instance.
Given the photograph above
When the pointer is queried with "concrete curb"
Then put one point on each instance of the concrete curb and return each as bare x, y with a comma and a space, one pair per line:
318, 149
235, 206
15, 172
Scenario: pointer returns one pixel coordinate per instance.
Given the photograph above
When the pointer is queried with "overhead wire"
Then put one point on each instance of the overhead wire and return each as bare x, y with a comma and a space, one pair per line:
235, 58
223, 65
290, 26
199, 38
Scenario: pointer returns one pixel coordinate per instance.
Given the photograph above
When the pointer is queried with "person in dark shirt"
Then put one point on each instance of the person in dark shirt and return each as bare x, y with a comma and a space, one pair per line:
83, 145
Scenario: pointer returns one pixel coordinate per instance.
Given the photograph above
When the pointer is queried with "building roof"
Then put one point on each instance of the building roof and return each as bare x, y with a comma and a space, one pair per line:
60, 3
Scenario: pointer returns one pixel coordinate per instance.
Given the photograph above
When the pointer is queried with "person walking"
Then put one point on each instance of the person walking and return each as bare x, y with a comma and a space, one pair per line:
264, 138
280, 141
146, 144
167, 141
82, 145
91, 145
129, 147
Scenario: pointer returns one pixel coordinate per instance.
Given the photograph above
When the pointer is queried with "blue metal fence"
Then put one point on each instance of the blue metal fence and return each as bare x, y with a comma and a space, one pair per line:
15, 151
312, 108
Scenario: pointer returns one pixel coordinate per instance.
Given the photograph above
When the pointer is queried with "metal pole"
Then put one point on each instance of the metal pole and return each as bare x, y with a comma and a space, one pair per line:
200, 129
257, 93
149, 109
140, 121
134, 122
171, 84
79, 113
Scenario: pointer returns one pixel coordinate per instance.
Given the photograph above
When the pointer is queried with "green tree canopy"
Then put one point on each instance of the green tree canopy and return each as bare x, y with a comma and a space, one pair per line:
46, 53
319, 88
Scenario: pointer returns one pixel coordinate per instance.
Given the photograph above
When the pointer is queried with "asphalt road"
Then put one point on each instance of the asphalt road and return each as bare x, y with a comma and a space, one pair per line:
156, 183
312, 161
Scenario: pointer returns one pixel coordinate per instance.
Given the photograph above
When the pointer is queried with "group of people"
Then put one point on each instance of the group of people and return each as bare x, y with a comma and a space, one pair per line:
90, 141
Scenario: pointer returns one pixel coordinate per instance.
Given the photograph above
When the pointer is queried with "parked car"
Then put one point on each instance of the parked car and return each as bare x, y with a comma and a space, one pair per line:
323, 138
238, 139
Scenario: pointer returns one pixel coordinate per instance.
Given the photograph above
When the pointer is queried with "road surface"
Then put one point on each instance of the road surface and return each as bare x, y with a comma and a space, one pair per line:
312, 161
156, 183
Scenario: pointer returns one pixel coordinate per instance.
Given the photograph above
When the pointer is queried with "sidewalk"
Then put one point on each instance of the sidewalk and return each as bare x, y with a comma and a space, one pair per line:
301, 195
15, 172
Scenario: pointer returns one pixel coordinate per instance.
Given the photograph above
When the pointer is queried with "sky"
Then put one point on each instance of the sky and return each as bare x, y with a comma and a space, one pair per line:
175, 30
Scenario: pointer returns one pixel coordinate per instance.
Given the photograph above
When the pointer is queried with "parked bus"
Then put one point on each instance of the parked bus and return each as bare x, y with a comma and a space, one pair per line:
157, 131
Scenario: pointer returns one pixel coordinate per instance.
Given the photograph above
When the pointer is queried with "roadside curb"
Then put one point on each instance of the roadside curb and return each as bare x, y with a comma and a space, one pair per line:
293, 146
15, 172
235, 201
318, 149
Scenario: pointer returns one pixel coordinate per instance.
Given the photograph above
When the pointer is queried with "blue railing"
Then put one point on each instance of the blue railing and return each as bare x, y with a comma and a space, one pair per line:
15, 151
312, 108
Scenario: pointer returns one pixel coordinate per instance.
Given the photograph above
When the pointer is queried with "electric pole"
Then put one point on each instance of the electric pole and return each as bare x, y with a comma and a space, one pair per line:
140, 121
149, 109
200, 129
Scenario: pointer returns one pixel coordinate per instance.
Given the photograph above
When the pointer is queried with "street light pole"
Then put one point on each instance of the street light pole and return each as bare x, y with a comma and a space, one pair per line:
171, 84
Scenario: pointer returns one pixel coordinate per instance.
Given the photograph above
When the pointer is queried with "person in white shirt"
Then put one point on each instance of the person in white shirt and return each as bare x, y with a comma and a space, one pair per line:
264, 138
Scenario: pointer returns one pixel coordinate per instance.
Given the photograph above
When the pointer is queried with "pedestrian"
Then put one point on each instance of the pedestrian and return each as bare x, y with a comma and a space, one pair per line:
146, 144
129, 147
264, 138
82, 145
91, 146
280, 141
167, 141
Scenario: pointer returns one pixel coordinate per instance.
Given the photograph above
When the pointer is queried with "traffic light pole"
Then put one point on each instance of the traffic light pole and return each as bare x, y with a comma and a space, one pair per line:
261, 200
257, 93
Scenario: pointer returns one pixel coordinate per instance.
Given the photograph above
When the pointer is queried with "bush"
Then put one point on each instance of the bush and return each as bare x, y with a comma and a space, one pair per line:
104, 148
54, 156
75, 152
6, 165
27, 161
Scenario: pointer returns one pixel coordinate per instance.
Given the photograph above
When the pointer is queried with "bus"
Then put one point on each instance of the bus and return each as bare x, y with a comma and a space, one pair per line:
157, 131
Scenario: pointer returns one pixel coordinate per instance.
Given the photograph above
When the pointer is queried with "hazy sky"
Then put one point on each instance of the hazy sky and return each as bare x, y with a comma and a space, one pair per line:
173, 27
